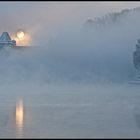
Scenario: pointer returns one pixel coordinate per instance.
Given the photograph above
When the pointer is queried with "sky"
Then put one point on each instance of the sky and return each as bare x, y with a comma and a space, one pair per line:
35, 17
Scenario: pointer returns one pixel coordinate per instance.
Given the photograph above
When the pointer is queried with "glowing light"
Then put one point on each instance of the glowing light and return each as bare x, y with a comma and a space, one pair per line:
20, 34
22, 38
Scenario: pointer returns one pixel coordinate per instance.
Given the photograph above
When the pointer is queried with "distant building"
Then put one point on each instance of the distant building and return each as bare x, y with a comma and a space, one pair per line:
5, 40
136, 56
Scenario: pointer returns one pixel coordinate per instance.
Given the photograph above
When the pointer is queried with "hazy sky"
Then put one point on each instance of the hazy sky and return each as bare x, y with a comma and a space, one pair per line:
52, 16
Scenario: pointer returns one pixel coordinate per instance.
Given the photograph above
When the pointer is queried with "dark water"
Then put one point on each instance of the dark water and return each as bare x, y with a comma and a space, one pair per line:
70, 111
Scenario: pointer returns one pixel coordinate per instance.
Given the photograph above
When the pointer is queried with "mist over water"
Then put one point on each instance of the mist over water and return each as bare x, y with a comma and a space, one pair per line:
101, 52
72, 82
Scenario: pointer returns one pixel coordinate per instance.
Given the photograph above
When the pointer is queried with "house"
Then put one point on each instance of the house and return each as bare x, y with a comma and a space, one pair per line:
5, 40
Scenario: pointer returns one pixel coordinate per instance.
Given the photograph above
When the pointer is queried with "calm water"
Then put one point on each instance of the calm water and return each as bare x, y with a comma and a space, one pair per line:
35, 111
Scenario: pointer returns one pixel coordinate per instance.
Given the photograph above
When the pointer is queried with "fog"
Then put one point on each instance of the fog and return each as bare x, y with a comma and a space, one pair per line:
97, 52
74, 78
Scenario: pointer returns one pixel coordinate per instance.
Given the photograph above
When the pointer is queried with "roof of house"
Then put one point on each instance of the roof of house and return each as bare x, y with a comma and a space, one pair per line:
5, 37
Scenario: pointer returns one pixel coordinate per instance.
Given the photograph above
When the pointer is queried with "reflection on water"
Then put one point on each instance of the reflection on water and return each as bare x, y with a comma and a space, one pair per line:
67, 114
19, 116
